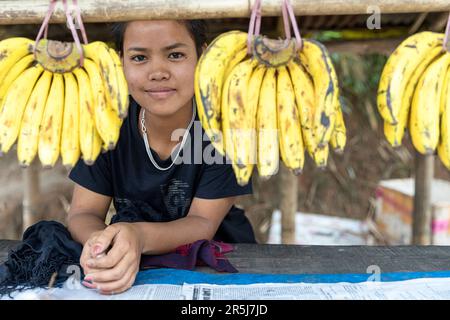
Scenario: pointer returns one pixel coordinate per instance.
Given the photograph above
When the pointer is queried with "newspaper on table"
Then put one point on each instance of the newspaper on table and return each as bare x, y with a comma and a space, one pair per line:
417, 289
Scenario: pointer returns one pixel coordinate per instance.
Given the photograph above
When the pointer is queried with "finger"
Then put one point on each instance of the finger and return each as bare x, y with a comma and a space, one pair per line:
114, 287
117, 286
110, 274
93, 246
84, 257
104, 240
111, 259
89, 272
116, 291
113, 274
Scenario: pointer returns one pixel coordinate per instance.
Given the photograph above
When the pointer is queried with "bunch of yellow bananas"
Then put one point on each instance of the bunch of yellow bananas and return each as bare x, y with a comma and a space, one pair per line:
414, 93
276, 103
52, 106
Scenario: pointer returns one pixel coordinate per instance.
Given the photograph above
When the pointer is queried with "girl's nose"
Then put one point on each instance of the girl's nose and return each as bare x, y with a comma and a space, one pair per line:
159, 75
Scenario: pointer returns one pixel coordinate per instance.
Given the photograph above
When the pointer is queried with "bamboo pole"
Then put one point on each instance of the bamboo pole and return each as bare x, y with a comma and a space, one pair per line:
31, 194
424, 168
33, 11
288, 204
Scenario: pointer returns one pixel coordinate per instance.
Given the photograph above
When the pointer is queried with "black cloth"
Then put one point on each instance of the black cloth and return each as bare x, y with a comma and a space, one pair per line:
46, 248
138, 188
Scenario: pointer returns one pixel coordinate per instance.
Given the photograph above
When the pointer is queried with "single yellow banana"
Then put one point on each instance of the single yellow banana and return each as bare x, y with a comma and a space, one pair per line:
238, 58
12, 50
225, 130
90, 141
339, 135
14, 105
27, 143
253, 96
99, 53
320, 157
51, 124
209, 81
226, 137
14, 73
122, 84
315, 58
241, 121
443, 148
399, 69
394, 133
290, 132
305, 101
70, 137
424, 119
106, 119
267, 125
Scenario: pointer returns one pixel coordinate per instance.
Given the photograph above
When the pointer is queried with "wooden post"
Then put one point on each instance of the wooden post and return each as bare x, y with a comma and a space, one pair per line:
424, 168
31, 195
33, 11
288, 204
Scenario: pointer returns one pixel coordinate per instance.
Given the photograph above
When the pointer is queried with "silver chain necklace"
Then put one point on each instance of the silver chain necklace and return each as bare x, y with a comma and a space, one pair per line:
147, 145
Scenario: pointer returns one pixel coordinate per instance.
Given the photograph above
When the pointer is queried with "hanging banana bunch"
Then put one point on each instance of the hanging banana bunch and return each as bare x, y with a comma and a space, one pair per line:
414, 94
60, 99
261, 99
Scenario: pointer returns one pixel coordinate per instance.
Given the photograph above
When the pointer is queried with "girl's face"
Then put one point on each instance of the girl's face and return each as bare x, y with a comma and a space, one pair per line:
159, 59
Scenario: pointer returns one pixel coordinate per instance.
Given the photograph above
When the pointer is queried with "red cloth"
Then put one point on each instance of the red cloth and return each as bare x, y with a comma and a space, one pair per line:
188, 256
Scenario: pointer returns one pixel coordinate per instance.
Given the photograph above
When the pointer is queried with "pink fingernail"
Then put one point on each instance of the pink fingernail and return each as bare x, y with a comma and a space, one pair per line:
97, 249
89, 285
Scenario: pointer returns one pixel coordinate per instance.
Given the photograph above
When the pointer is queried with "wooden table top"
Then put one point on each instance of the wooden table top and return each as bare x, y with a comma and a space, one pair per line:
299, 259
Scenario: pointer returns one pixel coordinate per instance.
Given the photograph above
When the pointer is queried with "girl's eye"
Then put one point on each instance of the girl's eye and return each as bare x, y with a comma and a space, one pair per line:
176, 55
138, 58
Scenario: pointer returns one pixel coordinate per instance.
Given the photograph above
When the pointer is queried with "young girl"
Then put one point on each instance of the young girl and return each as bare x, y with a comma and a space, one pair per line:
165, 203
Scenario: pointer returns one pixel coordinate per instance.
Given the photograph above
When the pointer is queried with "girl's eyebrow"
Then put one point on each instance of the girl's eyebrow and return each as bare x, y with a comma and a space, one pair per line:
174, 46
137, 49
168, 48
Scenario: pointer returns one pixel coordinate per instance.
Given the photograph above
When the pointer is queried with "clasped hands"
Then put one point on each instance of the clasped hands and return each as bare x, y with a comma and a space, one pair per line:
110, 258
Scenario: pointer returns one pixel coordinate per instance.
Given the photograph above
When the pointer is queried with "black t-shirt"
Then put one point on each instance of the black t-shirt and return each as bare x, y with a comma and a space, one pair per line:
137, 187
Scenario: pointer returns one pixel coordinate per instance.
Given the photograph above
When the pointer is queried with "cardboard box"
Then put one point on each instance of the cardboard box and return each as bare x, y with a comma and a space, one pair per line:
394, 211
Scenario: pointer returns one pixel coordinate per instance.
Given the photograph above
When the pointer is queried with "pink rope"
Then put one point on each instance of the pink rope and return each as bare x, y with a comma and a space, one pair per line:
74, 32
287, 27
447, 36
45, 23
288, 19
44, 26
80, 21
255, 24
299, 41
258, 22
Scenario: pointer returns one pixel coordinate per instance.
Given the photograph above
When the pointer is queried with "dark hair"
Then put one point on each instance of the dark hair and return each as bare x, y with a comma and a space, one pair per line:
196, 28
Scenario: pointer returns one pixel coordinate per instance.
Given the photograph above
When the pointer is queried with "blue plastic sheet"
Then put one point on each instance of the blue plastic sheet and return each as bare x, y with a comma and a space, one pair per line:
178, 277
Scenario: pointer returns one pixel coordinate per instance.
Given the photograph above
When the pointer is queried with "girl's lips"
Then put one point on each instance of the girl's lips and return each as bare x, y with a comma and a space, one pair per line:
160, 94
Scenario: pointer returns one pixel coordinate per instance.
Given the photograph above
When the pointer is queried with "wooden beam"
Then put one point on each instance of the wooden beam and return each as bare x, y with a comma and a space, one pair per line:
33, 11
422, 199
